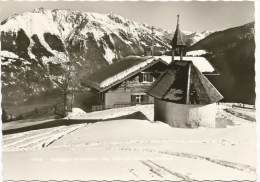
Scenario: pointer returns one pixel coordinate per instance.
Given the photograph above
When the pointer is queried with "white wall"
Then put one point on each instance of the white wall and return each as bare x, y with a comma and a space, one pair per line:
183, 115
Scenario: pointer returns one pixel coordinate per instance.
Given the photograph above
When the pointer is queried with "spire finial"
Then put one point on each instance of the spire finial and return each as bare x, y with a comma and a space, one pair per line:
178, 16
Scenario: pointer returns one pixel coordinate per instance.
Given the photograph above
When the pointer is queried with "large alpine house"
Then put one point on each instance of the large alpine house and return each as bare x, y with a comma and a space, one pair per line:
124, 82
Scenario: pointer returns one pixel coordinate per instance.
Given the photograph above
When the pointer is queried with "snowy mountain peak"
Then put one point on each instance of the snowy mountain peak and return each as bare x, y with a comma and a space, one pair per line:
187, 32
39, 10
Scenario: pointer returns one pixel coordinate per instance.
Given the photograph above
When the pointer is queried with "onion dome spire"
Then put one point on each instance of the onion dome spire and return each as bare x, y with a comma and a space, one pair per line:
177, 40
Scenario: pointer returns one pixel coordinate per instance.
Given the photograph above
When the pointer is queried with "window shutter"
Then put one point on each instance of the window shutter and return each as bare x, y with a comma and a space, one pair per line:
146, 98
150, 78
141, 77
133, 99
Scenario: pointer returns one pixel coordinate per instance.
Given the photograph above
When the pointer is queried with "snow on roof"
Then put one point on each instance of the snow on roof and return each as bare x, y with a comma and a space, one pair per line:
196, 53
118, 71
200, 62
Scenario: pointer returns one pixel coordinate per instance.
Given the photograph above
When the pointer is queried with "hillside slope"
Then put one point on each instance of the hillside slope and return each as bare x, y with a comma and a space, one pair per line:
232, 54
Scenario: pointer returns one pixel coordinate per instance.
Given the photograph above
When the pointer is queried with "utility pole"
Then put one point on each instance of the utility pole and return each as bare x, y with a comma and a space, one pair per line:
153, 40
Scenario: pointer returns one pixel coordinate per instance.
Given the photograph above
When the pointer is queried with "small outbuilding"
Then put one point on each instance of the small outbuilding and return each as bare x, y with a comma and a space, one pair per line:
183, 96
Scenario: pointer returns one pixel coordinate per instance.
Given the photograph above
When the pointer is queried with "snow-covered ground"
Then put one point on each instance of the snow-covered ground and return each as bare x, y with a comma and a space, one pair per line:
147, 111
132, 149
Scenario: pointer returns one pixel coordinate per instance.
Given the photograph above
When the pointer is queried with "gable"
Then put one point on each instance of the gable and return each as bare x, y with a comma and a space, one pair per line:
120, 71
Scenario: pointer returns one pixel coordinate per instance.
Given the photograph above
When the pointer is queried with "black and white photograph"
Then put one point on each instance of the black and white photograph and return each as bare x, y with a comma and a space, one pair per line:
128, 90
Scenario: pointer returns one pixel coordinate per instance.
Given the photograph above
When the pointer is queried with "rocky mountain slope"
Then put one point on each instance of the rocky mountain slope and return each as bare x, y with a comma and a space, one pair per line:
34, 42
232, 53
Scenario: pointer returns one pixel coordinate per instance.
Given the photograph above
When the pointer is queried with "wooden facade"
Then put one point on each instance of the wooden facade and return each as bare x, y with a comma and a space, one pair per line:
132, 90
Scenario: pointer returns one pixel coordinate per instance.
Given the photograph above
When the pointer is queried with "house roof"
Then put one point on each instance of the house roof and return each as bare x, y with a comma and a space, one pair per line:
183, 83
119, 71
177, 39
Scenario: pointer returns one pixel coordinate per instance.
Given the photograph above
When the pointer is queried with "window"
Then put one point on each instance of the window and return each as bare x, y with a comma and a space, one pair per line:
146, 77
139, 98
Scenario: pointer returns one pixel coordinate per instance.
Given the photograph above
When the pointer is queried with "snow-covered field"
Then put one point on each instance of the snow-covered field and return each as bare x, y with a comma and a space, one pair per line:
132, 149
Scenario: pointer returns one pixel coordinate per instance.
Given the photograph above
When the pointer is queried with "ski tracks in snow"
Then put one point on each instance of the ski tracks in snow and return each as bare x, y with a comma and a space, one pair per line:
241, 167
165, 173
233, 165
30, 141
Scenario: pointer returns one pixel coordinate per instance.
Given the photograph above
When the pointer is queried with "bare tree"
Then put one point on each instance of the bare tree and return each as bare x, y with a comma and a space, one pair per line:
66, 73
60, 73
78, 71
78, 74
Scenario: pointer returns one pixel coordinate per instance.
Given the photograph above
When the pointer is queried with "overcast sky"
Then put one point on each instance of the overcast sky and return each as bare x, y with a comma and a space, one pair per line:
194, 16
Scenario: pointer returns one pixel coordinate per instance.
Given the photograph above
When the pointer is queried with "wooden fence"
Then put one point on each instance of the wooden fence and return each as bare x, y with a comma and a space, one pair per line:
238, 105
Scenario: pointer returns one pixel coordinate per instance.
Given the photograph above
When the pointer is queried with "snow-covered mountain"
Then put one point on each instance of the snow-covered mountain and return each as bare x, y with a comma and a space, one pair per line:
190, 38
35, 41
196, 37
56, 29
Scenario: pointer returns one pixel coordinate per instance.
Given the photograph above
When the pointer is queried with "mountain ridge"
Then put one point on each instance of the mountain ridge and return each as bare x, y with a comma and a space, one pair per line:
231, 52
